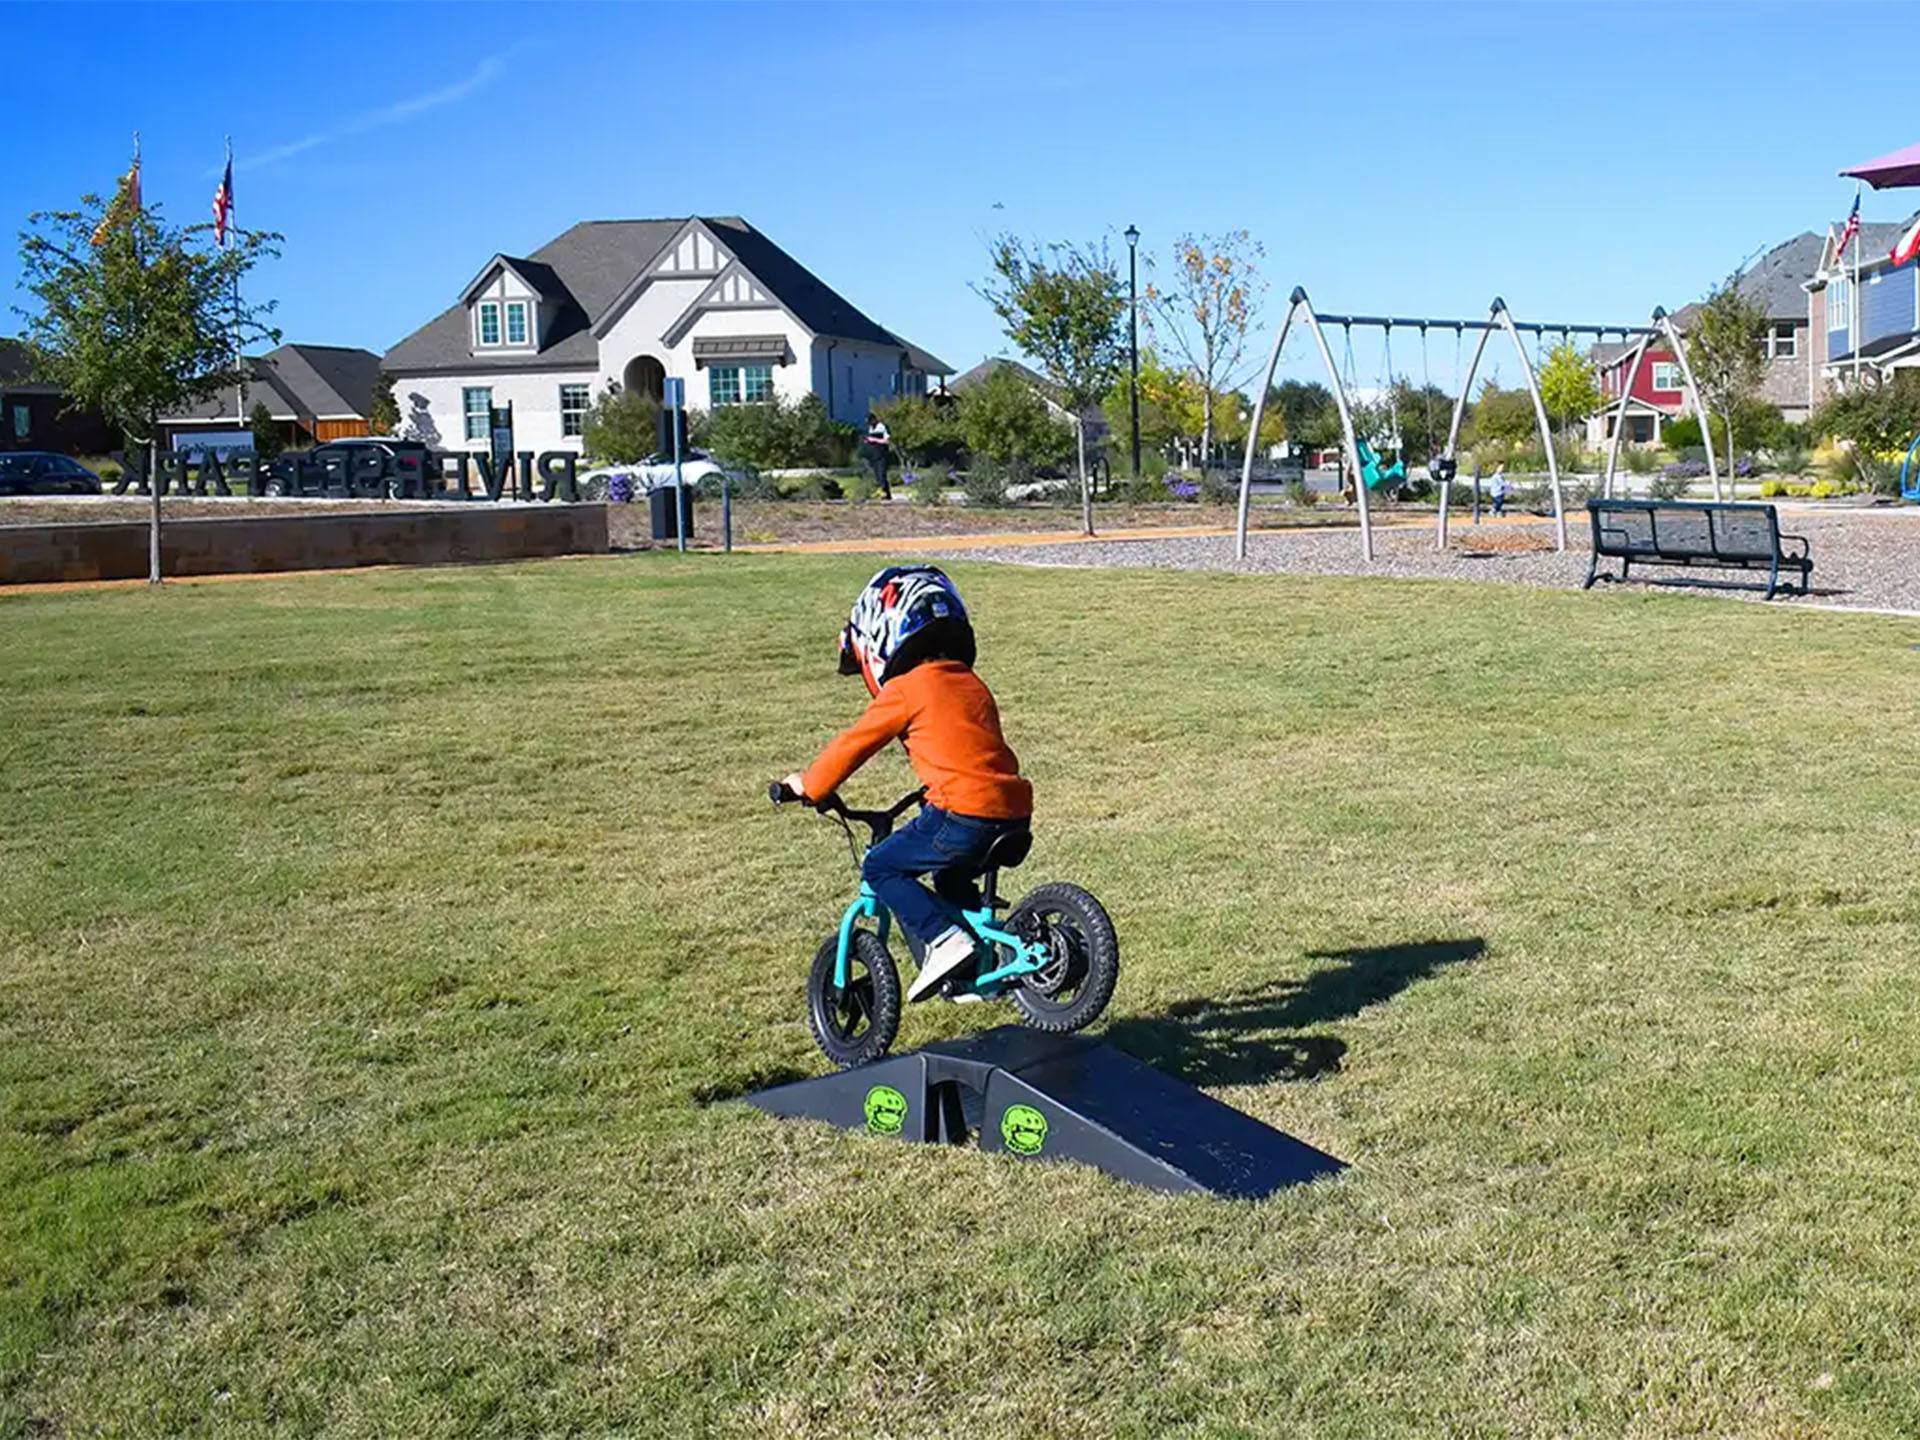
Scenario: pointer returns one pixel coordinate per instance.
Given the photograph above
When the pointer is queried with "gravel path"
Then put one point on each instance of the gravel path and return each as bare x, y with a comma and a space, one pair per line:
1862, 559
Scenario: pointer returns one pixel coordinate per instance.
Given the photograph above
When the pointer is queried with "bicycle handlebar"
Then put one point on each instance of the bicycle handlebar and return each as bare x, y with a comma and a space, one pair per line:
880, 822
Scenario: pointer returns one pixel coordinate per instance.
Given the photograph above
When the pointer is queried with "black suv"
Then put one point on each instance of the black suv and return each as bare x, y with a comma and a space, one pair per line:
40, 472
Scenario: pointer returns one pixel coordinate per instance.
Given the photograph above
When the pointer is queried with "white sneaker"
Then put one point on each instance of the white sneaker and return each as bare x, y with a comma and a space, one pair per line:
946, 953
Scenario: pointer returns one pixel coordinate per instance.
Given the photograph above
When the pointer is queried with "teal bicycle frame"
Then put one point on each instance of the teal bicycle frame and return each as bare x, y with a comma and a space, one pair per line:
1026, 958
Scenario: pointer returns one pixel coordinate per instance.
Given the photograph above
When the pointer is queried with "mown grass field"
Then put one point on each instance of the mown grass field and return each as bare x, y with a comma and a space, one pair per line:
378, 953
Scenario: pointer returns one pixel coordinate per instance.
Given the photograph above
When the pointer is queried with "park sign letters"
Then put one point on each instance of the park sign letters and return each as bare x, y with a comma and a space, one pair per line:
371, 474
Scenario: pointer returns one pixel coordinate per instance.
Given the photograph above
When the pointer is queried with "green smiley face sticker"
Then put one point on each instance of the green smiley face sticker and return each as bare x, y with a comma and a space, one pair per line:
886, 1110
1024, 1129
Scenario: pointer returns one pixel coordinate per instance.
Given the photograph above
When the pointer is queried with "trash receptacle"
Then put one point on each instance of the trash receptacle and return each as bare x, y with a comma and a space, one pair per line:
660, 511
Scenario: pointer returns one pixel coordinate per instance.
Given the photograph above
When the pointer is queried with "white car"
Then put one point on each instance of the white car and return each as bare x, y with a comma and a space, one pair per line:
657, 470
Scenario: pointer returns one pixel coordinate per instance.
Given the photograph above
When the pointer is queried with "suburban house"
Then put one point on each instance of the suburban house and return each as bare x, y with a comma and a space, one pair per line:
34, 416
1777, 283
1874, 330
706, 300
313, 392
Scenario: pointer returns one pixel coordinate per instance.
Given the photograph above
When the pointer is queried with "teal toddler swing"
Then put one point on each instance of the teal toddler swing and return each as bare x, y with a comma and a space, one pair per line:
1375, 472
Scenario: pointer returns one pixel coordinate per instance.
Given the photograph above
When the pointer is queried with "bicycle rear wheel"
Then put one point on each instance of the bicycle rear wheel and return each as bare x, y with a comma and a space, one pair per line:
1071, 990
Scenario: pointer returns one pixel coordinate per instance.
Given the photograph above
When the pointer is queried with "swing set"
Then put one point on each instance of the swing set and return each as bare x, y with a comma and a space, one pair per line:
1374, 473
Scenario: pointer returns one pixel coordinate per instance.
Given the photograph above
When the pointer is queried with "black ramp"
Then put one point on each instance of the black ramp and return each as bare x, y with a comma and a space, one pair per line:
1059, 1097
1103, 1108
889, 1097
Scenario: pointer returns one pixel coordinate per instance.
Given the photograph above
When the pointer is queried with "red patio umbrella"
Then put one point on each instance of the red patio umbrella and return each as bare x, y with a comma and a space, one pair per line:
1890, 172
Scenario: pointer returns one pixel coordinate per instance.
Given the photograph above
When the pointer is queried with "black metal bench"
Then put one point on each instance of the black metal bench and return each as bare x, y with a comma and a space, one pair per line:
1707, 534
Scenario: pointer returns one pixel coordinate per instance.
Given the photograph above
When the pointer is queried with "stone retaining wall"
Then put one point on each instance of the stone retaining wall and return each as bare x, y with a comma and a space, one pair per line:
444, 534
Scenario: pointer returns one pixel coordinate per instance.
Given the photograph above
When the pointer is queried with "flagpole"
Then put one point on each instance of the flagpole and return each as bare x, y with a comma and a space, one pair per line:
1853, 321
239, 361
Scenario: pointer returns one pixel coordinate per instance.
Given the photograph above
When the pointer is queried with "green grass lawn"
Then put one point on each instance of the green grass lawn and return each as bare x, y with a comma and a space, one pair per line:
376, 952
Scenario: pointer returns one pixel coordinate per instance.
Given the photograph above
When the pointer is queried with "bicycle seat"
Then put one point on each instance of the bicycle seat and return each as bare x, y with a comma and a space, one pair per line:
1007, 850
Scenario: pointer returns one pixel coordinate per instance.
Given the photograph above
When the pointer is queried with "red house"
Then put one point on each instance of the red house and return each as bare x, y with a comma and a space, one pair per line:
1658, 396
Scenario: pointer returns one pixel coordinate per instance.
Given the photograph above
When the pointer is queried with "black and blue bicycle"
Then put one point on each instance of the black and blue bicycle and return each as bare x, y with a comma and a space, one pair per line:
1055, 955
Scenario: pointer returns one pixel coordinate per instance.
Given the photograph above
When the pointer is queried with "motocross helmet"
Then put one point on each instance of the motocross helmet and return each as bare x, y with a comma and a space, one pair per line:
906, 614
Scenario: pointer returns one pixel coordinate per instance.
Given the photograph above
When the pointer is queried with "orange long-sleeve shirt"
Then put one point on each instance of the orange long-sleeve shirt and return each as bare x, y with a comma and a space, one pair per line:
946, 716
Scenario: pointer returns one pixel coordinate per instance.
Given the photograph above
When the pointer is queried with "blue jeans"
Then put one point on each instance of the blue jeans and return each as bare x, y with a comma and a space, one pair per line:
932, 842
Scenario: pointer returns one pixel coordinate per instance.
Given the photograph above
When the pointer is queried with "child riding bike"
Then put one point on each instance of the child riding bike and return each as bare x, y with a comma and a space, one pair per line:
910, 640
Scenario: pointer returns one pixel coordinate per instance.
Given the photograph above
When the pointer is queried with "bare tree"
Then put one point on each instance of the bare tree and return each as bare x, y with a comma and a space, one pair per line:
1206, 310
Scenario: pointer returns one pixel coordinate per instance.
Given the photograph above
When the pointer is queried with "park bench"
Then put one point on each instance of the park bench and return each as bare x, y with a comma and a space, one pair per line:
1711, 535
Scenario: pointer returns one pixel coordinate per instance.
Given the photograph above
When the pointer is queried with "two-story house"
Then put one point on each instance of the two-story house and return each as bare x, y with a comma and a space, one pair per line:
707, 300
1776, 282
1872, 330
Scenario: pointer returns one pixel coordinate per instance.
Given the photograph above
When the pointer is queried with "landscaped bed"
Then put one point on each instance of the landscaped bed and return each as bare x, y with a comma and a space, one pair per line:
378, 954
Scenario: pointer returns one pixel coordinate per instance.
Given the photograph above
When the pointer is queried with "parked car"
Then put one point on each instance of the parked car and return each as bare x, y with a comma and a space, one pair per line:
353, 465
657, 470
40, 472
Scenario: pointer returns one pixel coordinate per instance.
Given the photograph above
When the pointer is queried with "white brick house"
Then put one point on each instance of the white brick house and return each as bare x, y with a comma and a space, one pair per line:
709, 300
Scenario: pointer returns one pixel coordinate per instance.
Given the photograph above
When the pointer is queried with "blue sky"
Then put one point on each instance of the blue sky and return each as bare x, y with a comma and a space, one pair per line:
1588, 162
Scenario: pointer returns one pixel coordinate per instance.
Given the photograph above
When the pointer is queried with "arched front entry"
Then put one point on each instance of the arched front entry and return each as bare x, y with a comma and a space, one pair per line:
645, 375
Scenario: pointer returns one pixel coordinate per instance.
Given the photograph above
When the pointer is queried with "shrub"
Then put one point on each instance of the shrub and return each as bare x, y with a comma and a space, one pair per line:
1005, 419
925, 429
928, 486
1641, 460
778, 434
1142, 489
1682, 433
985, 482
1220, 486
622, 428
858, 484
1299, 493
1667, 485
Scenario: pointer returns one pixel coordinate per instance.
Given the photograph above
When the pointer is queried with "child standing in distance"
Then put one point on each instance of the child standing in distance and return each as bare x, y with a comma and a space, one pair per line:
910, 639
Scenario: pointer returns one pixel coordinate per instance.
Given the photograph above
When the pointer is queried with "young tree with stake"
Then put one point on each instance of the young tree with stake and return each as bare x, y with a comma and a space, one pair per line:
1725, 351
1063, 306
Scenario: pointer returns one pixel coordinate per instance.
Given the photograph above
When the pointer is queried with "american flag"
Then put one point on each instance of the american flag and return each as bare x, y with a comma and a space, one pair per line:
223, 204
1851, 229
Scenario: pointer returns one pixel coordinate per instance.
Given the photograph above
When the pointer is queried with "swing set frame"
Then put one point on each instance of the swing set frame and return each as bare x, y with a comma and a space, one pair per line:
1300, 308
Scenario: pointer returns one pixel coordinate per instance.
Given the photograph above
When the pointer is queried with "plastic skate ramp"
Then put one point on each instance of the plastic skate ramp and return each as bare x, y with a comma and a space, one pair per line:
1060, 1097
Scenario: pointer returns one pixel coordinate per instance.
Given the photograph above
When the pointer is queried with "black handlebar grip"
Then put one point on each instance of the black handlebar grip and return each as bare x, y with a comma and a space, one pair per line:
780, 793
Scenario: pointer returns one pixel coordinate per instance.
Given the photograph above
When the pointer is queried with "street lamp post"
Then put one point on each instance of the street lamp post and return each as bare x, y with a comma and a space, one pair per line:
1133, 339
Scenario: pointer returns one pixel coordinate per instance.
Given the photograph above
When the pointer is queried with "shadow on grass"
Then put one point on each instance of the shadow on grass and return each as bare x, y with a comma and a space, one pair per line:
732, 1087
1230, 1040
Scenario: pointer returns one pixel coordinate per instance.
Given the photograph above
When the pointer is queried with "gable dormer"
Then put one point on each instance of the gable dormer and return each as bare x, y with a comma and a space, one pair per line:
735, 288
511, 306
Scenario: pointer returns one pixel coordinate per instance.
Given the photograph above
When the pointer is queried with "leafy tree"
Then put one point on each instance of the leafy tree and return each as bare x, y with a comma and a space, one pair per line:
136, 318
1878, 421
1504, 415
267, 443
1160, 405
1568, 387
1418, 415
924, 429
1204, 312
623, 427
779, 433
384, 418
1064, 306
1725, 350
1309, 418
1005, 420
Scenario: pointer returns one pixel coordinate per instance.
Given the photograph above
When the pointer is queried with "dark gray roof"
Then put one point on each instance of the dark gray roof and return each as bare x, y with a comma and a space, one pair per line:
592, 265
16, 363
1774, 280
302, 381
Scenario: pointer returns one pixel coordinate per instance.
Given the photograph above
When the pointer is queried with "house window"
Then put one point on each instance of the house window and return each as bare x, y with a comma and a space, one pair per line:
1839, 304
22, 421
489, 322
573, 409
723, 385
1784, 342
516, 322
1666, 375
476, 401
756, 384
